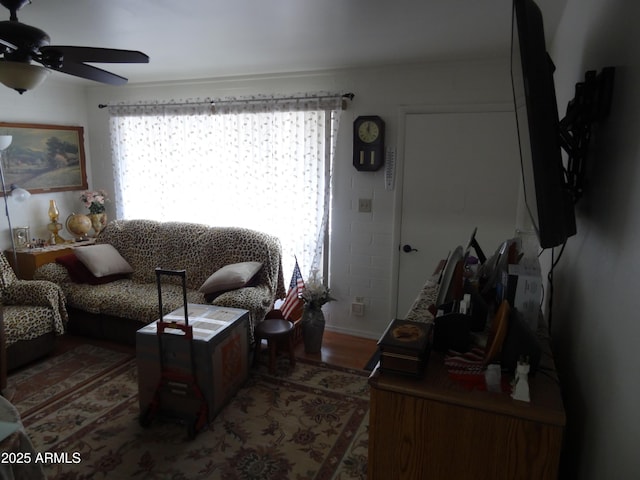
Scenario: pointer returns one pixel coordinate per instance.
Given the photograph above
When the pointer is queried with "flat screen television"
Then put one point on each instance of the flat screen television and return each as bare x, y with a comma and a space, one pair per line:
547, 197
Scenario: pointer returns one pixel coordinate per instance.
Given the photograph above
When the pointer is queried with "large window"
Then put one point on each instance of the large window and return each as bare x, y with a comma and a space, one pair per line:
261, 163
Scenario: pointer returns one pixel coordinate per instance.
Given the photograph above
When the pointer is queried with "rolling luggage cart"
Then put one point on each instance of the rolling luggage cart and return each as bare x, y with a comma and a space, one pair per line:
178, 394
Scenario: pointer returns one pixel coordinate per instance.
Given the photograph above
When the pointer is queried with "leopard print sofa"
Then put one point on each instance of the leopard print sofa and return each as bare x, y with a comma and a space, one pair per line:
116, 310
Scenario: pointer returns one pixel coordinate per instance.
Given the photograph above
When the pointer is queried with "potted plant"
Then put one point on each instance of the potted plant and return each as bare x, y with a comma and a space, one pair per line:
95, 202
314, 295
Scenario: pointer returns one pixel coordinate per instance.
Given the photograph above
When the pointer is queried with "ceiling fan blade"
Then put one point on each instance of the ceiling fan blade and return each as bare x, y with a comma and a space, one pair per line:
8, 45
97, 55
91, 73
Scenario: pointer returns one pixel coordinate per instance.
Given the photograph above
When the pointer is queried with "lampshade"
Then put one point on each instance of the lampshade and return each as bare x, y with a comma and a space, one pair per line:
22, 76
5, 141
19, 193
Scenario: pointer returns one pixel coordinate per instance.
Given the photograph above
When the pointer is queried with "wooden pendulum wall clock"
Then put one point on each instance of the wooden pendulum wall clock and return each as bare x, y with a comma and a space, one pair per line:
368, 143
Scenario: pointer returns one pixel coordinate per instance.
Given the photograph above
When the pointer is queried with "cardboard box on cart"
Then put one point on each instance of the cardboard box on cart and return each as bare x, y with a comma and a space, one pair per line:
220, 351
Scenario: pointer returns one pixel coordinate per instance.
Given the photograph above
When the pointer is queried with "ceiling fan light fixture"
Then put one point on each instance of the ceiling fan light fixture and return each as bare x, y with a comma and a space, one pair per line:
22, 76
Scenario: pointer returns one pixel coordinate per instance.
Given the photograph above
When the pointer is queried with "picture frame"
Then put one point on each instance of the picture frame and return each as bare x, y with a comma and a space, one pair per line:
44, 158
21, 237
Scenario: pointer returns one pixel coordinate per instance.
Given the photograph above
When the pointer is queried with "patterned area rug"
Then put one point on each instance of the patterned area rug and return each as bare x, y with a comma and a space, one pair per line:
309, 422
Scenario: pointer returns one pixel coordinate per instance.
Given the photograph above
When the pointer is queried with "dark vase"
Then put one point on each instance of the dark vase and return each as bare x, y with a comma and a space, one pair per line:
312, 330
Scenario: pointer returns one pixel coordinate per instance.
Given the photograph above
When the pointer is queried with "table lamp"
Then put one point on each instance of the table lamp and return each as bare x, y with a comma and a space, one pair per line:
20, 194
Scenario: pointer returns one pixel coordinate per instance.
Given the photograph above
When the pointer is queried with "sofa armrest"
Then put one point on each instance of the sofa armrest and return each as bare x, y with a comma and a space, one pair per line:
39, 293
53, 272
258, 300
33, 292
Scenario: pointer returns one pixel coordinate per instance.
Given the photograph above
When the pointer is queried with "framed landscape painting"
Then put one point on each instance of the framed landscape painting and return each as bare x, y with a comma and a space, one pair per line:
44, 158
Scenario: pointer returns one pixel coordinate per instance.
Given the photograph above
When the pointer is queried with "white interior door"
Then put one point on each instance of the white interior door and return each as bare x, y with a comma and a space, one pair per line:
461, 170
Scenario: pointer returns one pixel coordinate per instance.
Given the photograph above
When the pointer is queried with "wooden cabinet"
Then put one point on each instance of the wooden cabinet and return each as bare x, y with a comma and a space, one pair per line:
436, 428
30, 259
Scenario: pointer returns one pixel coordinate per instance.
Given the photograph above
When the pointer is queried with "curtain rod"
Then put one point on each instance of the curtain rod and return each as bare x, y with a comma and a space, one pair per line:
348, 96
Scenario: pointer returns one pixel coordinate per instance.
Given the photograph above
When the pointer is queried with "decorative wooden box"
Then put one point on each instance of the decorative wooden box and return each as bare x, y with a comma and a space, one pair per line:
404, 347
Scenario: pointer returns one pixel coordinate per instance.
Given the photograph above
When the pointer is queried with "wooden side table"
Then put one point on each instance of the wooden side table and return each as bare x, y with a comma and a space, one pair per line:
29, 259
435, 428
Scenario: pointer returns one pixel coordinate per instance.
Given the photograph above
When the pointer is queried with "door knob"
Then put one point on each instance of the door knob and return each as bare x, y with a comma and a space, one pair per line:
408, 248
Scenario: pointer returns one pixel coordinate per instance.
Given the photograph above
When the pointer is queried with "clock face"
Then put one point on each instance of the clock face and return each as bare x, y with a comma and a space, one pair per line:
368, 131
21, 236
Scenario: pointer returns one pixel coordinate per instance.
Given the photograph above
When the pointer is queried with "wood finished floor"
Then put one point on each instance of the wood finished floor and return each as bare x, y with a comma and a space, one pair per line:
343, 350
337, 348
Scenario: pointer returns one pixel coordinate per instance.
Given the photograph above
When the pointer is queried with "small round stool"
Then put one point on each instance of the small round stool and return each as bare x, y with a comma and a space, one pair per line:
276, 331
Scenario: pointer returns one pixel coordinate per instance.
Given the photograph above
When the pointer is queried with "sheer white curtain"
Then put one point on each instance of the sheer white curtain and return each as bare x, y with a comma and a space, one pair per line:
260, 162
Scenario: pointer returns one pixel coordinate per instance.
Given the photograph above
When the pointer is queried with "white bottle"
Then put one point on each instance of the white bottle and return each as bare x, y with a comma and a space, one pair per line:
521, 382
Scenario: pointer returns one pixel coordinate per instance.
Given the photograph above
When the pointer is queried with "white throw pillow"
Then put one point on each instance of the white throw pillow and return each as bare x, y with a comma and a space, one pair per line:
230, 277
102, 260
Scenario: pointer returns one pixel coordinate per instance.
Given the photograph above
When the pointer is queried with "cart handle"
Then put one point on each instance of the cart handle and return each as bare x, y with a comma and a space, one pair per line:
176, 273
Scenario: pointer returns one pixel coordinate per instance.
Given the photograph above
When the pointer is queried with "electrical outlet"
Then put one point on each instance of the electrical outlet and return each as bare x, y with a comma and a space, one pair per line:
364, 205
357, 309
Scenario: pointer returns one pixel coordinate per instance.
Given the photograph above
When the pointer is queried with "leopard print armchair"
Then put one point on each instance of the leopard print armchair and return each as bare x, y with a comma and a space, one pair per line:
33, 313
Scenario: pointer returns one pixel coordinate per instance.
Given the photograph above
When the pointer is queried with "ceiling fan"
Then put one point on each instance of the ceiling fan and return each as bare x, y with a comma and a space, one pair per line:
22, 44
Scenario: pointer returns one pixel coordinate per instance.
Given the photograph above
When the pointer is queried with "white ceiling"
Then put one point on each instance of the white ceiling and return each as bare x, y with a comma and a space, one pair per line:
193, 39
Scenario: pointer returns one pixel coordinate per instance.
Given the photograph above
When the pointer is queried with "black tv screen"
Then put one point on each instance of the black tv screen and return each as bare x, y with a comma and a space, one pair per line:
547, 197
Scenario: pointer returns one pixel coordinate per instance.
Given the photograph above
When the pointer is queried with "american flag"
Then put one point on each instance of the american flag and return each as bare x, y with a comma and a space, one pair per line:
292, 306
